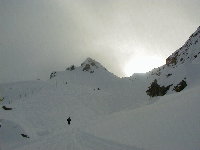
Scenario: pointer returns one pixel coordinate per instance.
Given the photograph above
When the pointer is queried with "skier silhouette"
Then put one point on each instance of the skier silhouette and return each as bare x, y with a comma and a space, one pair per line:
69, 120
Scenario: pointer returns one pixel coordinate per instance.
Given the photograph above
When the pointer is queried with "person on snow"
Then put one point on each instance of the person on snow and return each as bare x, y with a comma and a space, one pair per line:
69, 120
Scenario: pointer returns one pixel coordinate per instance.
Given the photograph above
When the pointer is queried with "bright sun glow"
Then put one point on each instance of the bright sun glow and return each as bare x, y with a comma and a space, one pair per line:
142, 64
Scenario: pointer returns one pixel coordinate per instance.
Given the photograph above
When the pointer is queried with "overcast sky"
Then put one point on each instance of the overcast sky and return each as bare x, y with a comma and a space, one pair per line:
40, 36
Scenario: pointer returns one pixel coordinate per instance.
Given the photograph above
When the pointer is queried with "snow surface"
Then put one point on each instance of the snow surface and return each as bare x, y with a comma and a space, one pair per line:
107, 112
170, 123
40, 109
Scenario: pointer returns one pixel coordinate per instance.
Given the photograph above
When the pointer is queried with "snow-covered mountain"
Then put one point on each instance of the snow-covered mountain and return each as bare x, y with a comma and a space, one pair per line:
181, 68
85, 93
152, 111
188, 53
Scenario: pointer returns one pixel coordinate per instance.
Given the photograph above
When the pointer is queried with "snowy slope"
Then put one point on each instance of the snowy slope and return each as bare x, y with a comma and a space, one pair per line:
19, 90
81, 94
188, 53
170, 123
102, 90
107, 112
183, 64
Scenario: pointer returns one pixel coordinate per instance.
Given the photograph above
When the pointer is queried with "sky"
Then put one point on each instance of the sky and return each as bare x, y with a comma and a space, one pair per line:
125, 36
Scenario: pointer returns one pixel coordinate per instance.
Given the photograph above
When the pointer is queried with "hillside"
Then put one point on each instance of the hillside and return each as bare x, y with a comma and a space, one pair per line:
170, 123
182, 66
155, 110
40, 109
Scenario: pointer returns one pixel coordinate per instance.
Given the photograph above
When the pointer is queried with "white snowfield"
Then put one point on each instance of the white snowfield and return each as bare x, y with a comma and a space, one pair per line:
107, 112
173, 122
40, 109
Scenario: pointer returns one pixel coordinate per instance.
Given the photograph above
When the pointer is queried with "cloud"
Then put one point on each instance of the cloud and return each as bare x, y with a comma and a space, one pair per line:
37, 37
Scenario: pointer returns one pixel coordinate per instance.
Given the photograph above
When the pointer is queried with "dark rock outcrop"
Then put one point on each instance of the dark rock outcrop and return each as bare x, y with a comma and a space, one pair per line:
53, 74
172, 60
90, 65
87, 67
156, 90
6, 108
72, 67
25, 136
168, 75
179, 87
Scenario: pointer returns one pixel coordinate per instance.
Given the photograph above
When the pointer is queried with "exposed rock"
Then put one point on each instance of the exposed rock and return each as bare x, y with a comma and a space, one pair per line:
53, 74
168, 75
179, 87
187, 52
86, 68
24, 135
156, 90
1, 99
6, 108
172, 60
91, 65
72, 67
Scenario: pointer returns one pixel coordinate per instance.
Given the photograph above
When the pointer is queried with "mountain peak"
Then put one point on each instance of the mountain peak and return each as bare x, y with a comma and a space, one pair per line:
90, 65
90, 61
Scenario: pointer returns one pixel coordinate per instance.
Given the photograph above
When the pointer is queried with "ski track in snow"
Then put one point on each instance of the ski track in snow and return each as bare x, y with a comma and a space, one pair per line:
34, 112
74, 139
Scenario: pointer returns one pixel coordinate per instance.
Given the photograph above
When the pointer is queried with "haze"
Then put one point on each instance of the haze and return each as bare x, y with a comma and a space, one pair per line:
40, 36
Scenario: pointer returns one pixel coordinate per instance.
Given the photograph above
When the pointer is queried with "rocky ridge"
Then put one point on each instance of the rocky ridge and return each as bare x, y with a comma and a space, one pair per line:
174, 73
